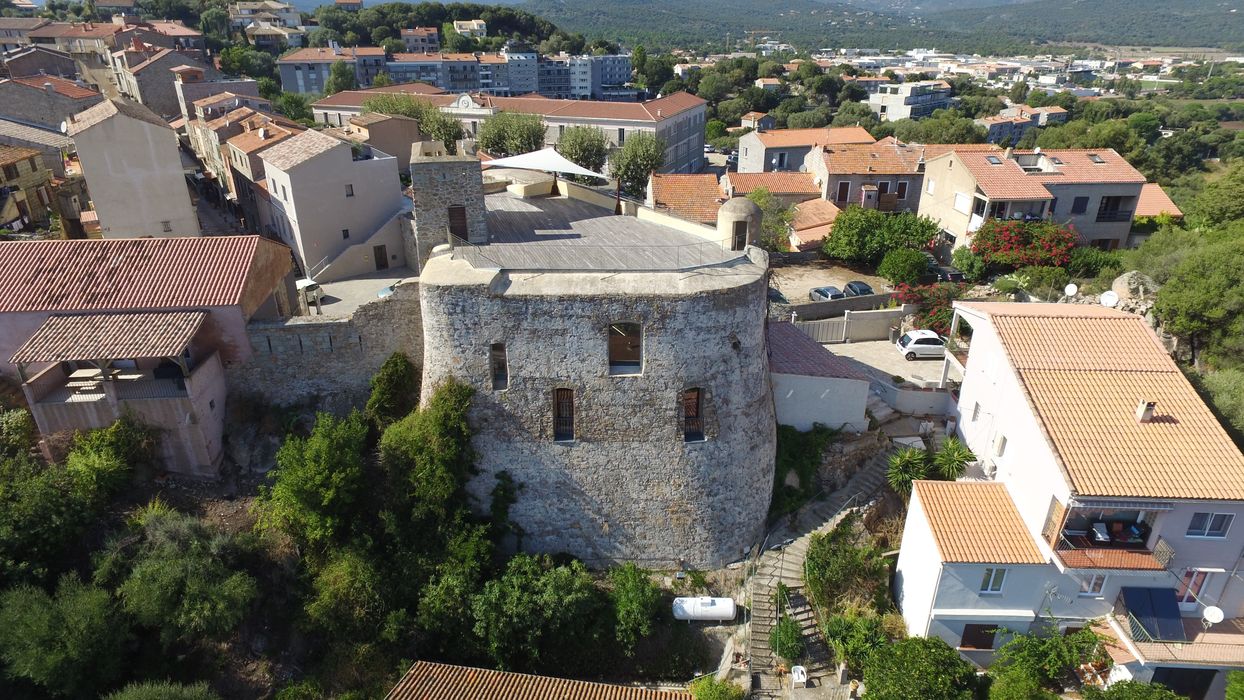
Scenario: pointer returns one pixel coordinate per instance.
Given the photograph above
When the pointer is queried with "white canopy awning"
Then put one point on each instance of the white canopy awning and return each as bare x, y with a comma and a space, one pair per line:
547, 159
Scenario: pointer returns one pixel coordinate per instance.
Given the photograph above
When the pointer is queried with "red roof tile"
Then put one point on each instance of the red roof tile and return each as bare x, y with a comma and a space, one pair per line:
112, 336
1154, 201
130, 273
321, 55
431, 681
776, 183
692, 197
68, 88
809, 137
651, 111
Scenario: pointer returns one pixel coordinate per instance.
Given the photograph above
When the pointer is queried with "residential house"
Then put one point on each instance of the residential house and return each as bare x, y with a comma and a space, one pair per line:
171, 34
1042, 116
450, 71
90, 44
243, 14
1085, 509
474, 28
191, 86
14, 30
692, 196
145, 74
25, 189
758, 121
248, 187
785, 149
274, 37
885, 175
871, 84
1094, 191
812, 385
432, 681
600, 77
50, 143
768, 84
814, 219
348, 5
422, 39
97, 329
336, 204
44, 100
130, 159
790, 188
1010, 125
678, 119
26, 61
387, 133
306, 70
914, 100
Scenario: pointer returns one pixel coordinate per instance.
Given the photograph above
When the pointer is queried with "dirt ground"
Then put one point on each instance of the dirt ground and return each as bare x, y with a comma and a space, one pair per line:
795, 281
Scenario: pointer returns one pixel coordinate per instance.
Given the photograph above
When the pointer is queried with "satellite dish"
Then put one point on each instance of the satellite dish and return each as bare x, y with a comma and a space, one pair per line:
1212, 615
1070, 290
1109, 299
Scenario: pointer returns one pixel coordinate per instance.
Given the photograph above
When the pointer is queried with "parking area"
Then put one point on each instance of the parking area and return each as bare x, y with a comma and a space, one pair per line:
795, 281
342, 298
883, 359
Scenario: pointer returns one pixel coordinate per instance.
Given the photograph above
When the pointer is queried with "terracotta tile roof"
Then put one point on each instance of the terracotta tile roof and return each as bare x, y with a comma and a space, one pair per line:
420, 31
651, 111
27, 23
431, 681
107, 109
785, 138
170, 28
1085, 370
262, 137
131, 273
231, 117
67, 88
814, 213
12, 154
111, 336
791, 351
322, 55
1154, 201
299, 149
776, 183
1006, 179
976, 522
754, 115
888, 156
88, 30
768, 81
692, 197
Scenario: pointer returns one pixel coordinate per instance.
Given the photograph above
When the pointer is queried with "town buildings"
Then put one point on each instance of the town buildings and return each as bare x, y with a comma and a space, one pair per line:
474, 28
148, 75
25, 188
14, 31
422, 39
785, 149
129, 158
601, 366
44, 101
1094, 191
910, 100
387, 133
30, 60
677, 119
1085, 508
1010, 125
306, 70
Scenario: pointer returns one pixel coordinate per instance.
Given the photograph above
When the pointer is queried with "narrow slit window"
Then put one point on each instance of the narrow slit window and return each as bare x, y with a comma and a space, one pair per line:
739, 239
458, 222
563, 415
500, 367
626, 351
692, 416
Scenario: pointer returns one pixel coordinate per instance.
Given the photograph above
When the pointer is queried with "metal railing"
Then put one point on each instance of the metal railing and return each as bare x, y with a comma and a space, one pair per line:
1113, 216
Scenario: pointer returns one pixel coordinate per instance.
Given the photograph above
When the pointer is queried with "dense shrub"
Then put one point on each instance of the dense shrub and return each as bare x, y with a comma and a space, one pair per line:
636, 601
918, 667
863, 236
394, 391
17, 432
800, 452
164, 690
1051, 659
854, 637
935, 301
951, 459
1044, 281
843, 568
786, 639
1086, 261
903, 266
1131, 690
1011, 244
906, 466
709, 688
970, 264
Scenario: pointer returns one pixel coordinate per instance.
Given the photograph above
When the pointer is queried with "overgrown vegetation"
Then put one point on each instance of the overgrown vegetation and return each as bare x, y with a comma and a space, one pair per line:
863, 236
799, 453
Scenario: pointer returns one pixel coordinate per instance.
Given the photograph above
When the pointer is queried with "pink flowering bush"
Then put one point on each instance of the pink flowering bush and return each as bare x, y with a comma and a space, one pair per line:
935, 302
1012, 244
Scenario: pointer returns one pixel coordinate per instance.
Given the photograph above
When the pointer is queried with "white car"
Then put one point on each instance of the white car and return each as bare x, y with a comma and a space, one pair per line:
309, 290
921, 344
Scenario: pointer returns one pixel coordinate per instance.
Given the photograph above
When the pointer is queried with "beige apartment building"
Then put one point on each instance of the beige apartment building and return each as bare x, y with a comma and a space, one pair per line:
1093, 191
129, 157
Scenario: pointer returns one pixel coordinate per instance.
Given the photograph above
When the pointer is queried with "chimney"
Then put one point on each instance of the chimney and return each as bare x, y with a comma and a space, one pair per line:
263, 134
49, 88
1144, 411
1008, 153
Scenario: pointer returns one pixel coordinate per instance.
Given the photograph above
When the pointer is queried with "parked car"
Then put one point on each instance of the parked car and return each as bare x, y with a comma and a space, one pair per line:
732, 161
856, 288
941, 273
777, 297
310, 291
826, 294
708, 148
921, 344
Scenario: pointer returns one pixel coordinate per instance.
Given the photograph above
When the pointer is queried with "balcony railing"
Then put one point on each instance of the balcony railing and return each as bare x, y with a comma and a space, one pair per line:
1114, 216
1081, 552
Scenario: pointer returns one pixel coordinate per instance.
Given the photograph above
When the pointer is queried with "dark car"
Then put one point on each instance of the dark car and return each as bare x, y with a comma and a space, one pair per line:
856, 288
826, 294
777, 297
938, 272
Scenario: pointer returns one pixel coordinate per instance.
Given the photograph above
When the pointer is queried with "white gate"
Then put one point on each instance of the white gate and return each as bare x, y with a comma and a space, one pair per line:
830, 330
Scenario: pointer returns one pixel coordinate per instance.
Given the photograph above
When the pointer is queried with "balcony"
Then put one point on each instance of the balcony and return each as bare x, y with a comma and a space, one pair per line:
1151, 628
1113, 216
1082, 552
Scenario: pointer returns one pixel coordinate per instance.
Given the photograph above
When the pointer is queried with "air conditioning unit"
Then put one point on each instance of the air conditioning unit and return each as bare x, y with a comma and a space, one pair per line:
989, 468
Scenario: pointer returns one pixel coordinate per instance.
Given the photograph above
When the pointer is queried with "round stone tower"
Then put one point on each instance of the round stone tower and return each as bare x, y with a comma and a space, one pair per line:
738, 221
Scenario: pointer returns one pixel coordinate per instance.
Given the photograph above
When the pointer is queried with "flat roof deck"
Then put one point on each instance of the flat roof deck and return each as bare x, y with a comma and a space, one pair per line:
556, 233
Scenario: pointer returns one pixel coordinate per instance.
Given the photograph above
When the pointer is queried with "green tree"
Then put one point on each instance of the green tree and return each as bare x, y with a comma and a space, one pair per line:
585, 146
394, 391
269, 88
1131, 690
811, 119
1203, 300
863, 236
775, 220
709, 688
70, 644
714, 129
163, 690
1222, 200
381, 80
714, 87
1226, 390
905, 467
786, 639
538, 616
952, 458
1050, 659
432, 122
1019, 91
511, 134
243, 60
855, 114
636, 600
1235, 685
918, 667
970, 264
293, 105
347, 600
214, 22
179, 576
732, 111
642, 155
903, 266
340, 77
17, 432
319, 482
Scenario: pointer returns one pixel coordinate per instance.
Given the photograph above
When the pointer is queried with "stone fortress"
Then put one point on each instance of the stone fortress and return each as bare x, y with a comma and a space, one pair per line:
619, 364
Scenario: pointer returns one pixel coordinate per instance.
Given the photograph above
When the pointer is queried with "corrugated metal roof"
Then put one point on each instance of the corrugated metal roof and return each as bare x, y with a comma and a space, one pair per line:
976, 522
111, 336
126, 273
431, 681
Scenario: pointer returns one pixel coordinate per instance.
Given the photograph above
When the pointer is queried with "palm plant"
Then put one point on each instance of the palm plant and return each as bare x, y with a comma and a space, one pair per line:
951, 461
906, 466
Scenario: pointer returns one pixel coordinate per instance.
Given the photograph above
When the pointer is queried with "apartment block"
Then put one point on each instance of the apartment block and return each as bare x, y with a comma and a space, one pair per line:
896, 101
786, 149
306, 70
422, 39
